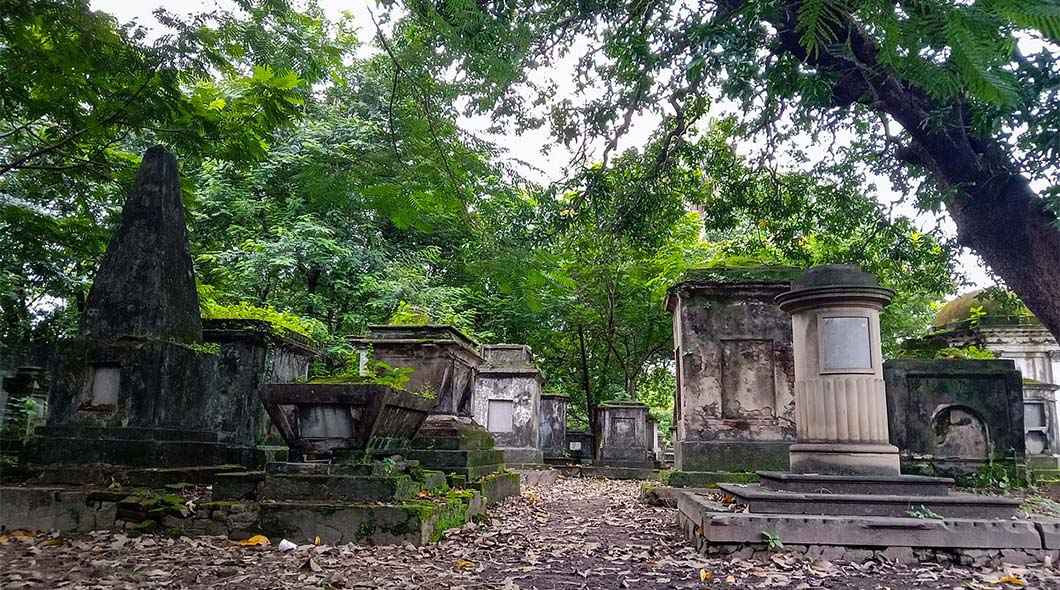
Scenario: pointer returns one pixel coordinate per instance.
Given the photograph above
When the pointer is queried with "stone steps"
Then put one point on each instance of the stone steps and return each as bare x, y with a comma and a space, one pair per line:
704, 521
913, 485
760, 500
342, 488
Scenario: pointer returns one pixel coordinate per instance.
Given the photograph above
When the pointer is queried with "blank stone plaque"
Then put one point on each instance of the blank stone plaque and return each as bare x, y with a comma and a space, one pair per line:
106, 382
499, 415
324, 421
846, 343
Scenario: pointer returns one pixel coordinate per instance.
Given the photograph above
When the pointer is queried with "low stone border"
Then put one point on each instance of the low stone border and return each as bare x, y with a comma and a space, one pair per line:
895, 555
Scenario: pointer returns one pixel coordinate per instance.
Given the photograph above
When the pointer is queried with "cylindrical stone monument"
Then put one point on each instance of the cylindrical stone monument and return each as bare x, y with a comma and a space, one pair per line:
840, 402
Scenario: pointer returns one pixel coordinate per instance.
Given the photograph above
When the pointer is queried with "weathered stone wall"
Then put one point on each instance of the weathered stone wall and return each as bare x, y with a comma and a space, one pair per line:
621, 435
735, 375
507, 401
955, 410
153, 385
1036, 355
250, 357
552, 435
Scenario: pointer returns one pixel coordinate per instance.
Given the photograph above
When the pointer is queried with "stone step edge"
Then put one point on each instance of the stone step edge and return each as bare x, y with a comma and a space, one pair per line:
755, 492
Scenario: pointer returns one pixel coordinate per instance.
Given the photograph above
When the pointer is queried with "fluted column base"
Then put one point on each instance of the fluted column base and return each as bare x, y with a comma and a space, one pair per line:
844, 458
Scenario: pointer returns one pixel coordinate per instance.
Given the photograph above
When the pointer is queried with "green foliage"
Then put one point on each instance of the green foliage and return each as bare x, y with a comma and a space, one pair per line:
966, 353
976, 315
22, 415
772, 541
377, 372
281, 322
82, 96
406, 315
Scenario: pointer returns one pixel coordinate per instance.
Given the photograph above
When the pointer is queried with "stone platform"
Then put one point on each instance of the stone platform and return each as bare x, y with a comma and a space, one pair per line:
384, 502
761, 500
859, 512
132, 446
707, 521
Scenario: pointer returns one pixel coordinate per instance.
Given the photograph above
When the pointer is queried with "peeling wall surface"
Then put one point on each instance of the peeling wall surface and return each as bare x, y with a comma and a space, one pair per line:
552, 435
507, 401
735, 375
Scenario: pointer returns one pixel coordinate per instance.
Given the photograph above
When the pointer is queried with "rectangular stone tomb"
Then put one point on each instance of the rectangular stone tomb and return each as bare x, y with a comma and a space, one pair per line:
443, 359
735, 403
508, 402
329, 418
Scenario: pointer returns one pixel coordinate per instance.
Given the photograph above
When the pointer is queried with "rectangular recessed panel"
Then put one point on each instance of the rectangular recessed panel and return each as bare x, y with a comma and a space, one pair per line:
623, 431
846, 343
499, 415
325, 421
575, 445
1033, 415
106, 382
748, 388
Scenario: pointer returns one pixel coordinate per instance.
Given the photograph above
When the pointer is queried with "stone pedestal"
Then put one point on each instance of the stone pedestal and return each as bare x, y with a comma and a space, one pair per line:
735, 404
621, 435
139, 403
552, 433
508, 402
841, 406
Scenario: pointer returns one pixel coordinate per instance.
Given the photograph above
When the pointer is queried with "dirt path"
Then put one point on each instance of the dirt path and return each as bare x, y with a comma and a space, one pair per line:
577, 534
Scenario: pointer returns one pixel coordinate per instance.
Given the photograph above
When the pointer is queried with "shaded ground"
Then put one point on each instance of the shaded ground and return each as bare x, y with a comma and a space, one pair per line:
577, 534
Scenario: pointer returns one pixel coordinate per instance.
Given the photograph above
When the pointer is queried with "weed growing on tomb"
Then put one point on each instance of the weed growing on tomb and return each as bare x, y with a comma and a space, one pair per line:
772, 541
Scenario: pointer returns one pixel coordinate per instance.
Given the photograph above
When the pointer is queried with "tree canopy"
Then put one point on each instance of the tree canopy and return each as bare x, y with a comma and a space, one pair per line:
955, 101
333, 187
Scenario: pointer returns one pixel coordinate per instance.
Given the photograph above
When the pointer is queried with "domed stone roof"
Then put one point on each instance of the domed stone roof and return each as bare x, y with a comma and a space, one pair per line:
960, 308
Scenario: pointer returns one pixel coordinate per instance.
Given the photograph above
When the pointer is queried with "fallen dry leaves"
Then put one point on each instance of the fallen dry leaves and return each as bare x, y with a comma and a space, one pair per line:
579, 534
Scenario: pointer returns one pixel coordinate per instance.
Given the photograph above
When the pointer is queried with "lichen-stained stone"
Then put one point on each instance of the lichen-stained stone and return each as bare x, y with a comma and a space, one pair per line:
735, 404
955, 411
552, 434
145, 286
507, 401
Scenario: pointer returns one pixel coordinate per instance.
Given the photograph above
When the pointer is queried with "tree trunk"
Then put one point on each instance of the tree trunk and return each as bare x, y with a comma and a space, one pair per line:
997, 214
587, 385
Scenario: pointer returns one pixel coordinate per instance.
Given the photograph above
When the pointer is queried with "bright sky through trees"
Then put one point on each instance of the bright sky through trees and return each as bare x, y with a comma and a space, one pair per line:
539, 164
